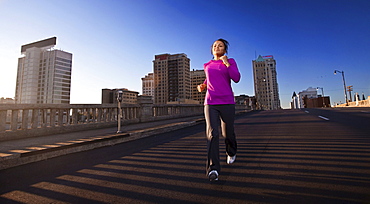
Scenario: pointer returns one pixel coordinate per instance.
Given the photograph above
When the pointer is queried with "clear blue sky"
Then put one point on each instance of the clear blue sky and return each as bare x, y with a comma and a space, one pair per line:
114, 41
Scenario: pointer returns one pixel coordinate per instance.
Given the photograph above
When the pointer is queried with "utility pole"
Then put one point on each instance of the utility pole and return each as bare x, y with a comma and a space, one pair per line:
350, 89
344, 83
322, 96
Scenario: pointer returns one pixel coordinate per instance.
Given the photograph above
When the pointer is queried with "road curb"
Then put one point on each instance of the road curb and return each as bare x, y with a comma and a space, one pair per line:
34, 154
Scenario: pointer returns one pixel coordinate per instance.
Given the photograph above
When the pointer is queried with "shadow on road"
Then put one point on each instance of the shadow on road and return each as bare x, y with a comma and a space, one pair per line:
290, 158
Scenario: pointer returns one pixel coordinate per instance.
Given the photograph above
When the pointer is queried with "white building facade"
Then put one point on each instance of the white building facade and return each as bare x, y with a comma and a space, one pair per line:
298, 99
44, 74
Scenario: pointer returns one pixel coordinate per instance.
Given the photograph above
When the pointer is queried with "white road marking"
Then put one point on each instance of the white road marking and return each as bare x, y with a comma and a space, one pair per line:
307, 111
322, 117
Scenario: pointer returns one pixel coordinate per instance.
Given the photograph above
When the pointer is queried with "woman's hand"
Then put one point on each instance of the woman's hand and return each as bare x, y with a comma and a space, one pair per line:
201, 87
225, 61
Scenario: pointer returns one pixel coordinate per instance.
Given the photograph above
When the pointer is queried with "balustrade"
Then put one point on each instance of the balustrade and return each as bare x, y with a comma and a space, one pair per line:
29, 120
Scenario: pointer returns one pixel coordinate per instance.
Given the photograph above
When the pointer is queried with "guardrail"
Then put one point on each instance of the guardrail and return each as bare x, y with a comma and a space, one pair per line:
30, 120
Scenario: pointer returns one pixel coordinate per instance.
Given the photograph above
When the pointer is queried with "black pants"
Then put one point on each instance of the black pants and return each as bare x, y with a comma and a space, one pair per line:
219, 116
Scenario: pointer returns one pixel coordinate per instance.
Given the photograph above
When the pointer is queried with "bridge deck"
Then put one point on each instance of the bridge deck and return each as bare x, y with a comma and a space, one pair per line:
284, 156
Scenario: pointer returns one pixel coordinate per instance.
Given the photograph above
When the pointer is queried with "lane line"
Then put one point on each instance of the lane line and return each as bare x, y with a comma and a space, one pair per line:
322, 117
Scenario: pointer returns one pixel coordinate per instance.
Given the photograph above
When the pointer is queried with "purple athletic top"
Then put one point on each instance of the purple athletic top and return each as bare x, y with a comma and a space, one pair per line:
218, 81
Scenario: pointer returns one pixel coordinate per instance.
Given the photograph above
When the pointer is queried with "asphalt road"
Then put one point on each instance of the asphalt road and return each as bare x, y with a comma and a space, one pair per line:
284, 156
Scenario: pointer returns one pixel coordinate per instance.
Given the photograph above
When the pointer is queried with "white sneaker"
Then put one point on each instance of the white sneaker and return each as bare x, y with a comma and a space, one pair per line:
230, 159
213, 175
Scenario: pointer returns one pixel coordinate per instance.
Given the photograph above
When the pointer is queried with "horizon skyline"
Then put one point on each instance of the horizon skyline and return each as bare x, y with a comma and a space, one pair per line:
294, 92
114, 42
297, 92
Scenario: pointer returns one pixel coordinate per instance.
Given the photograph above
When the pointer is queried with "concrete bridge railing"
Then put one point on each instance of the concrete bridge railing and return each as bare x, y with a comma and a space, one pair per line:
30, 120
360, 103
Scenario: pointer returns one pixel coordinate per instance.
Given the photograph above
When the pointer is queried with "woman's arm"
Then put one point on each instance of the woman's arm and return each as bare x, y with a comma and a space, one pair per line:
234, 71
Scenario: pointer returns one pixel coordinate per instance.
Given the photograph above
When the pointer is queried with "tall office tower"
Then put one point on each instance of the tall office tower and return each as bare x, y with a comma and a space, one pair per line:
44, 74
197, 77
265, 83
171, 78
148, 85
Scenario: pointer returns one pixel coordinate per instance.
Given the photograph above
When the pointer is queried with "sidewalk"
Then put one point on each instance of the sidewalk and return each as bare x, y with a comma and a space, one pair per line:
23, 151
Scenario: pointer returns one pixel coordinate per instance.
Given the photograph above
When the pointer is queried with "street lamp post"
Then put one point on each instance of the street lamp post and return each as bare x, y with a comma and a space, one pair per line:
322, 91
119, 100
344, 83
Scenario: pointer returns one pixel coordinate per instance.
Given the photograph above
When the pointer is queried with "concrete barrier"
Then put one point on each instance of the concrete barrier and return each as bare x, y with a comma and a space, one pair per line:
19, 121
362, 103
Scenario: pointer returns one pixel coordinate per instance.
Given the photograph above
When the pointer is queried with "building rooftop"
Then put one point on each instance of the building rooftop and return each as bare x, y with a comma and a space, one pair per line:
47, 43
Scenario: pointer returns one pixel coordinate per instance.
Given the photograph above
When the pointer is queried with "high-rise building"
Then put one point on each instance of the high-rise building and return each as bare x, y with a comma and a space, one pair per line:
148, 85
171, 78
265, 83
197, 77
44, 74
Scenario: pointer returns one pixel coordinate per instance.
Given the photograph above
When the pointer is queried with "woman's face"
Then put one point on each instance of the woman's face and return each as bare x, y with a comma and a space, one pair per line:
218, 48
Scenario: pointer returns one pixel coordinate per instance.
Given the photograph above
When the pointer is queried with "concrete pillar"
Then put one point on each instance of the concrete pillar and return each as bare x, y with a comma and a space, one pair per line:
2, 120
146, 108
